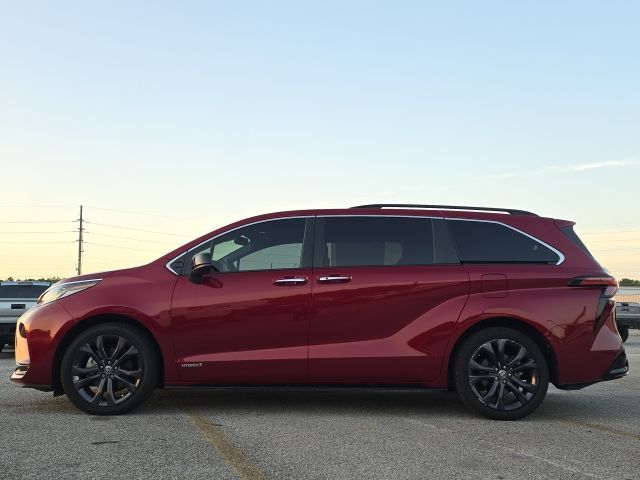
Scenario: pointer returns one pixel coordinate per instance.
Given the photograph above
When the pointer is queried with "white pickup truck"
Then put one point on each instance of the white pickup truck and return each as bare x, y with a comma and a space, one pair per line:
15, 299
627, 317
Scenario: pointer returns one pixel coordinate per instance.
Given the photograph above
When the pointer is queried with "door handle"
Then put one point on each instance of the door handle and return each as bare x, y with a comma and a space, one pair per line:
290, 281
334, 278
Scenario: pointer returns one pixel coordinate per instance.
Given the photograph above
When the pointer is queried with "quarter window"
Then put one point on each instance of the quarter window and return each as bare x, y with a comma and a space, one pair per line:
488, 242
376, 241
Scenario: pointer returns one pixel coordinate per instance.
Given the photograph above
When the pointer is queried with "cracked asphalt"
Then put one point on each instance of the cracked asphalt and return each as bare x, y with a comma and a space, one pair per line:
323, 434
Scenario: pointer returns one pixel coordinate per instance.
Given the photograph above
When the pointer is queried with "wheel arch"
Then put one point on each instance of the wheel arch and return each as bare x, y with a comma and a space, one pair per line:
87, 323
515, 324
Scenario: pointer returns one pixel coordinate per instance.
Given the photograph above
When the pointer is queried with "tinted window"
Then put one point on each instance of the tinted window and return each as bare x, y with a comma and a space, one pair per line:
375, 241
485, 242
267, 245
21, 291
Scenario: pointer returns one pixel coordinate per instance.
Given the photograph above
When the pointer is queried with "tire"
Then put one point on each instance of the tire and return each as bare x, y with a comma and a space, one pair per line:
506, 388
109, 369
624, 333
1, 345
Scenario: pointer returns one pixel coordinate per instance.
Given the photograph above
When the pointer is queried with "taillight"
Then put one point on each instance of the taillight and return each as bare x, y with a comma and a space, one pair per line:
608, 284
608, 288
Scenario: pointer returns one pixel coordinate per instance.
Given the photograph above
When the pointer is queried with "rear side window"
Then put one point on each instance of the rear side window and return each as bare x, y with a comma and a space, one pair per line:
376, 241
488, 242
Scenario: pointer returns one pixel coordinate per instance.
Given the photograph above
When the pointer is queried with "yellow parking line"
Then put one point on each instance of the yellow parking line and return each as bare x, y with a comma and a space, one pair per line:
232, 455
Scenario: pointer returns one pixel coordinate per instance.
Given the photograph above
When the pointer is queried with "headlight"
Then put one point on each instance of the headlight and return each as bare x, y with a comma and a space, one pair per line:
60, 290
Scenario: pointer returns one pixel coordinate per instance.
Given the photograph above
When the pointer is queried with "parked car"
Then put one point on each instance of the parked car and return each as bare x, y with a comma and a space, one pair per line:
627, 317
15, 299
494, 303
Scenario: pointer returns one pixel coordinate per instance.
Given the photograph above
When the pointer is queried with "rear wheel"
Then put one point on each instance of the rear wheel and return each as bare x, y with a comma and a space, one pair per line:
109, 369
624, 333
501, 373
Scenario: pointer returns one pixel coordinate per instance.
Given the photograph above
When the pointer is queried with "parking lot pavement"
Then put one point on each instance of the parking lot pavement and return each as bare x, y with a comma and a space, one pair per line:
219, 434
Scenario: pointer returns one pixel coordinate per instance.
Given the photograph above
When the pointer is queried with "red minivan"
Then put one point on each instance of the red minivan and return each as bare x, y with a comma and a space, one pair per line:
492, 303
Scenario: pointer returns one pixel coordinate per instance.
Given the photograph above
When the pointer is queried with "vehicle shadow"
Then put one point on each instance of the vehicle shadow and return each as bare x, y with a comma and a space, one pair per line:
308, 401
558, 406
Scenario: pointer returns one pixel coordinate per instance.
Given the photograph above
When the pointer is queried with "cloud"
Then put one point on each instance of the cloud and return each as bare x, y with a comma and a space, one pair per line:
629, 162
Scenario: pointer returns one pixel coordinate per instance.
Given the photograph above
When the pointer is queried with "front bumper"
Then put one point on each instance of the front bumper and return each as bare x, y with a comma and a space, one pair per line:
35, 348
630, 321
8, 329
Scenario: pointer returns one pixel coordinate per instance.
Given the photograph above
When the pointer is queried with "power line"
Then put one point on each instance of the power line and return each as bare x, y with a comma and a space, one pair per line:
615, 240
608, 232
119, 246
138, 229
140, 213
38, 243
37, 206
39, 232
47, 221
615, 249
128, 238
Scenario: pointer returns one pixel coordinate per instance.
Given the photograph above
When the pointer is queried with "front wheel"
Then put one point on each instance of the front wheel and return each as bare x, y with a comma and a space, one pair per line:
109, 369
624, 333
501, 373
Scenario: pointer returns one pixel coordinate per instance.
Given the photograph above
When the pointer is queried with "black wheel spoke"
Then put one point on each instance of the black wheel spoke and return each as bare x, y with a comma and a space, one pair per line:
91, 352
489, 350
130, 373
527, 386
130, 351
519, 356
498, 347
476, 366
128, 385
99, 393
100, 349
528, 364
122, 343
82, 371
85, 382
478, 378
491, 393
111, 400
516, 391
500, 403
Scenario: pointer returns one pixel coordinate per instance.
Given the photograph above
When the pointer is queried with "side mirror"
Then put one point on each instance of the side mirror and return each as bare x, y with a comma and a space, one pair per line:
200, 265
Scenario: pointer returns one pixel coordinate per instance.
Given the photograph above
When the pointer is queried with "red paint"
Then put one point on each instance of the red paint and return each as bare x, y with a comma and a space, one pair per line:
392, 325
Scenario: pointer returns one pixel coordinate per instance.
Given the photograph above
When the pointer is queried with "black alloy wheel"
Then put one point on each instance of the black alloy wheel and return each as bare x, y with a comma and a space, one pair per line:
109, 369
501, 373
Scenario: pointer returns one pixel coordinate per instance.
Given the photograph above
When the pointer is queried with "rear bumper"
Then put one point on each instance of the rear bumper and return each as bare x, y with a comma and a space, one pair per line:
619, 368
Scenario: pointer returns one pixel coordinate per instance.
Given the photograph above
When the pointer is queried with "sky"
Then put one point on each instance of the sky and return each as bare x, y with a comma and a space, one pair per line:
170, 119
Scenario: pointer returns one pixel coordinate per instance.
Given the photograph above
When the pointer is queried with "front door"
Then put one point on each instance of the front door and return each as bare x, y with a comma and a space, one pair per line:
247, 322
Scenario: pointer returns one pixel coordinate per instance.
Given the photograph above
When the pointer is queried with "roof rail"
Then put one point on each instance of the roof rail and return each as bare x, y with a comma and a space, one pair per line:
447, 207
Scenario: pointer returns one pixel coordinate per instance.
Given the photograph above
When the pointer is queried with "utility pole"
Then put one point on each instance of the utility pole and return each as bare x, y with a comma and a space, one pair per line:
80, 250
